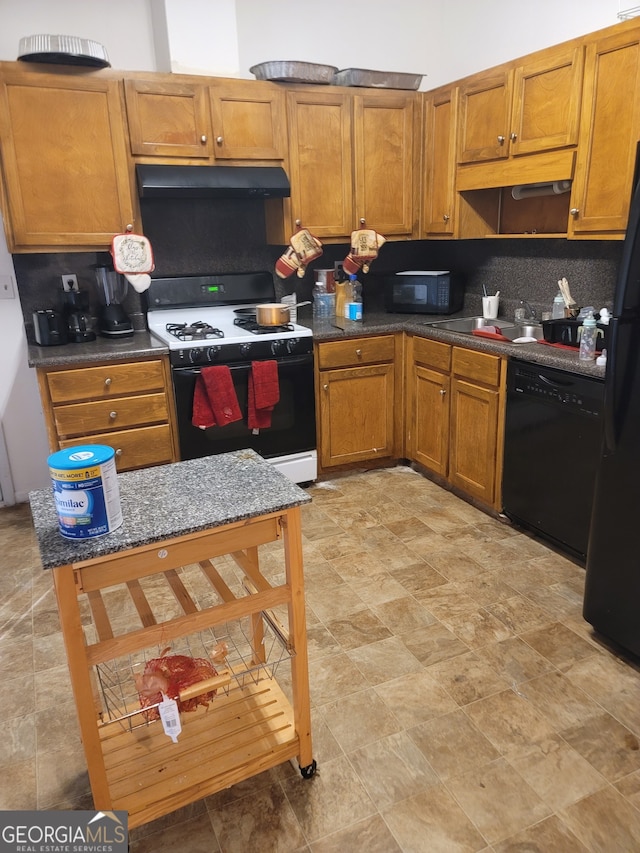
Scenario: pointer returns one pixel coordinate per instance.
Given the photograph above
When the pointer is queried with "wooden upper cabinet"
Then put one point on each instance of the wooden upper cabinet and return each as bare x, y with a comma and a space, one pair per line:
439, 197
320, 162
485, 116
528, 107
65, 168
168, 119
610, 129
385, 147
248, 120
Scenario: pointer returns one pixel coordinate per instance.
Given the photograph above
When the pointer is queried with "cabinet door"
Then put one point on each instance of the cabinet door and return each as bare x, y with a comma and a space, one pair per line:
168, 119
356, 414
474, 439
429, 419
65, 163
439, 196
248, 119
320, 162
485, 117
546, 101
384, 150
609, 132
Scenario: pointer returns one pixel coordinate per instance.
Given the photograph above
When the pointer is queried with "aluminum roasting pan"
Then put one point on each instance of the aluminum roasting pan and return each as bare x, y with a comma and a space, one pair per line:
294, 72
377, 79
63, 50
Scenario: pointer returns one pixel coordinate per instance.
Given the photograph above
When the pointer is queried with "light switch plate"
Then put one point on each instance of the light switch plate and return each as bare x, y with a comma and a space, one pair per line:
7, 287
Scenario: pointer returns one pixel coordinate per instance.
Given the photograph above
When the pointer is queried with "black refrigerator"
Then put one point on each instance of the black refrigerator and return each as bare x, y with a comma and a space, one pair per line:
612, 588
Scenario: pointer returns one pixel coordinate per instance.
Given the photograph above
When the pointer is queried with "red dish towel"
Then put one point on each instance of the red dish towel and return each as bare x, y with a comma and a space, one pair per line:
264, 393
215, 402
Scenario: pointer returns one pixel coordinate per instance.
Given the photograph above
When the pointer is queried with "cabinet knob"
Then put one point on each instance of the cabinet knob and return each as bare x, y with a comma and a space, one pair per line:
219, 140
203, 139
325, 387
359, 353
363, 221
445, 217
129, 228
107, 382
298, 222
442, 392
119, 451
501, 140
513, 136
574, 211
113, 415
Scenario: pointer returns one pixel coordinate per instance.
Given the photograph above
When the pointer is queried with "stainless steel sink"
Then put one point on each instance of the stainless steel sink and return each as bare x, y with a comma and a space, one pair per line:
469, 324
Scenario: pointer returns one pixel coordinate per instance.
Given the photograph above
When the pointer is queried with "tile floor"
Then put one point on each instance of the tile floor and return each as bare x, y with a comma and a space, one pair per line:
460, 702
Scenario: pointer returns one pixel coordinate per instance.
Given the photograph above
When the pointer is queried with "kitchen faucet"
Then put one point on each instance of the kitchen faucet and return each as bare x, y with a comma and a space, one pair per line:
528, 313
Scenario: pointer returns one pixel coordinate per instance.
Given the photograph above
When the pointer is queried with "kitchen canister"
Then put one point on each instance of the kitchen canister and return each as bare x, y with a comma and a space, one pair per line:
85, 490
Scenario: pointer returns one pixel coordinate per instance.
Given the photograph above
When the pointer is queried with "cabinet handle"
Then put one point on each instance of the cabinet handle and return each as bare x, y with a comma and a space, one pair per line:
107, 382
113, 415
203, 139
119, 452
298, 222
442, 392
501, 140
129, 228
445, 217
219, 140
325, 387
513, 136
363, 221
574, 211
359, 353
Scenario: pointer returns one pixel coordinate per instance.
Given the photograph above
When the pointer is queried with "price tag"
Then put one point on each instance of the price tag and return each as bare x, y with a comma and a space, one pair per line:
170, 716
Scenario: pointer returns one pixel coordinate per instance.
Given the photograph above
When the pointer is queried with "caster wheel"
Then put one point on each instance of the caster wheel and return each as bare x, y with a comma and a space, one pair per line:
309, 771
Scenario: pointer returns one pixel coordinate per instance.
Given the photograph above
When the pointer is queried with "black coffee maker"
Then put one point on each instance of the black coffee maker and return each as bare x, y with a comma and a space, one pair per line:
75, 306
113, 322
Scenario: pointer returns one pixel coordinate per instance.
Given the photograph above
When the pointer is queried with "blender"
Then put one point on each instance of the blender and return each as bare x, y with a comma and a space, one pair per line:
112, 288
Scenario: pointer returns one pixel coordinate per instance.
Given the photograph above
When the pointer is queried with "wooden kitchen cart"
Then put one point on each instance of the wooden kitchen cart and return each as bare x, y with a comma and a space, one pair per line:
183, 573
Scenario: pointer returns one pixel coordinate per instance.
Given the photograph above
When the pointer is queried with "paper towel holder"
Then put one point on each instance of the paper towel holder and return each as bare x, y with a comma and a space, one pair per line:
522, 191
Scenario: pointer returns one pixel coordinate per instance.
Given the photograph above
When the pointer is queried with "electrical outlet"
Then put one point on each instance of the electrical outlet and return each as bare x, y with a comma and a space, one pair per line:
7, 290
69, 282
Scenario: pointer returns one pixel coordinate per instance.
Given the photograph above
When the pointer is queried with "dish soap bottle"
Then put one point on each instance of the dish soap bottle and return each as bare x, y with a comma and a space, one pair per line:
557, 309
588, 334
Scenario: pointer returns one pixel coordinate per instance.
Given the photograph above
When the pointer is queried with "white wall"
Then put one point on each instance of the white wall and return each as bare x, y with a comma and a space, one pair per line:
21, 415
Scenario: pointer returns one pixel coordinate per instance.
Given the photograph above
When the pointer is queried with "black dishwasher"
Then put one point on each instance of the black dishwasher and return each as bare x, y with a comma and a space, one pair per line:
552, 447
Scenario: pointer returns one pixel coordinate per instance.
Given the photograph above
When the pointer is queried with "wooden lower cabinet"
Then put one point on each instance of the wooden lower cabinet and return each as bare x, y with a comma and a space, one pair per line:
358, 393
126, 405
455, 416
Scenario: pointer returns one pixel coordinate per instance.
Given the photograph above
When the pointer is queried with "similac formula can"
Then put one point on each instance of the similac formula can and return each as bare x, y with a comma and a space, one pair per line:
85, 489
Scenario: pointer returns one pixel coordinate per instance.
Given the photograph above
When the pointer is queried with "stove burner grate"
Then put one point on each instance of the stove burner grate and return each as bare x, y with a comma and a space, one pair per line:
250, 324
197, 331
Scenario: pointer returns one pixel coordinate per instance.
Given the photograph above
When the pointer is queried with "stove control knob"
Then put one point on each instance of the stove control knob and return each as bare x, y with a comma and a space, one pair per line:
245, 348
194, 355
276, 346
292, 343
213, 353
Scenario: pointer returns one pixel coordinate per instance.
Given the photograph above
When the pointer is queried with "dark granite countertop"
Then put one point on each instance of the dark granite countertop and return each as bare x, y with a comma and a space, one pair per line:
142, 345
172, 500
139, 345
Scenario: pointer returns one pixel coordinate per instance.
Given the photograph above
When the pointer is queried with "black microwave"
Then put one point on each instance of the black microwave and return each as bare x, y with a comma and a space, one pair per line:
424, 292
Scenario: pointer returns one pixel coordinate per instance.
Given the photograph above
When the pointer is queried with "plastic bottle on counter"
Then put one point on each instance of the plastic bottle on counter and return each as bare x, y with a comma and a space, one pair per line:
557, 309
353, 306
588, 332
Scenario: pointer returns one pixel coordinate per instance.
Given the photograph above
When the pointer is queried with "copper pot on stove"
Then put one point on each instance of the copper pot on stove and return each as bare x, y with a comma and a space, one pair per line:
271, 313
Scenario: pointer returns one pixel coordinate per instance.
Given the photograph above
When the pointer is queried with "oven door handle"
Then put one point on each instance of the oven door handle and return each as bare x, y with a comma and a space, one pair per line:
291, 361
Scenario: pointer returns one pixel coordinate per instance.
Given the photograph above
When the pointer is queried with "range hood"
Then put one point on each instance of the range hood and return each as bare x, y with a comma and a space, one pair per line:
212, 182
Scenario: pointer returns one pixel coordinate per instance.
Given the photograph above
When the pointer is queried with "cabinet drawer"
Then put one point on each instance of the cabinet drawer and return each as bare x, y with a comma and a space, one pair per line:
135, 448
109, 380
83, 418
432, 353
477, 365
356, 351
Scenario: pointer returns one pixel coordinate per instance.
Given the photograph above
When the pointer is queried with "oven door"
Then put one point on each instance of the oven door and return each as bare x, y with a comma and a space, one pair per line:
293, 421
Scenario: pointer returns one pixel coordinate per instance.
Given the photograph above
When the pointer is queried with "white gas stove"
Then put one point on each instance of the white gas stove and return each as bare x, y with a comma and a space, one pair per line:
207, 321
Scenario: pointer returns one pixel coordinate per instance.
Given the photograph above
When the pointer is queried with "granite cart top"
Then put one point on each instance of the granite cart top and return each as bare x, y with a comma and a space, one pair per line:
172, 500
